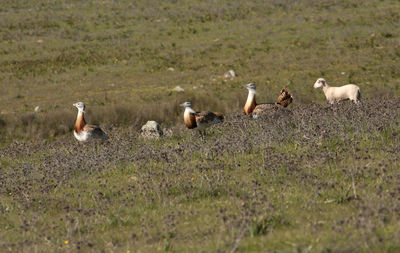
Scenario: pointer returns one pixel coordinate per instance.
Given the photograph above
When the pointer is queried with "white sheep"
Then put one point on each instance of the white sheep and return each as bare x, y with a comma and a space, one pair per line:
336, 94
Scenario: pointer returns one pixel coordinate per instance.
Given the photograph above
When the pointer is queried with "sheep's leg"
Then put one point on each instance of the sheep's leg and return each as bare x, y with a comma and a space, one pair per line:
355, 100
358, 99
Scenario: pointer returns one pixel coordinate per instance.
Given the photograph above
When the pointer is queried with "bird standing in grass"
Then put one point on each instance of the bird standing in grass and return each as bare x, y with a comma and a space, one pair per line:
200, 120
83, 131
251, 106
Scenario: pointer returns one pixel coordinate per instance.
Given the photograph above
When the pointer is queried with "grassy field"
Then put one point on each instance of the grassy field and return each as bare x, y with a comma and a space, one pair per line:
312, 178
114, 56
308, 179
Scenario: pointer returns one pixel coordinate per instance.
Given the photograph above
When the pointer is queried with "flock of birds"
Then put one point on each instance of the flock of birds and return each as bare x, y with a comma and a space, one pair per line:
202, 120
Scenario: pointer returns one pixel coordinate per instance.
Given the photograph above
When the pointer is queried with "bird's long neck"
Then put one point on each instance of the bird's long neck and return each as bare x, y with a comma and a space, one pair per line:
250, 103
189, 117
189, 110
80, 122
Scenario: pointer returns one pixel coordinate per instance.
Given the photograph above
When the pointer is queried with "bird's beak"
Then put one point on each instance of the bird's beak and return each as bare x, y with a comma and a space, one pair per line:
74, 104
182, 104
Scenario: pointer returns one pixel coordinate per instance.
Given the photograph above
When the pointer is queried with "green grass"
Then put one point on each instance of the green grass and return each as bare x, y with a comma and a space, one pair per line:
247, 188
315, 180
116, 54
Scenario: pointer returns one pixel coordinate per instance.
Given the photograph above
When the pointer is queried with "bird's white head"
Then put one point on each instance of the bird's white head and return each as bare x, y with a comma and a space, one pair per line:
250, 86
81, 106
319, 83
187, 105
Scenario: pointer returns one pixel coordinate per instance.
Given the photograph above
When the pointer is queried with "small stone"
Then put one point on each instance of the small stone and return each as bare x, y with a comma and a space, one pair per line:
151, 130
37, 109
230, 74
179, 89
198, 87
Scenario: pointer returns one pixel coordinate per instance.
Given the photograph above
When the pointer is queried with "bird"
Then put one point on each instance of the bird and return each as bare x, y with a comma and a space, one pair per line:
251, 106
84, 132
200, 120
284, 98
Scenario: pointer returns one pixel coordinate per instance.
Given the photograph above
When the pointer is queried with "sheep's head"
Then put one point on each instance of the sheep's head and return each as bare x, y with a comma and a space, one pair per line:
319, 83
285, 98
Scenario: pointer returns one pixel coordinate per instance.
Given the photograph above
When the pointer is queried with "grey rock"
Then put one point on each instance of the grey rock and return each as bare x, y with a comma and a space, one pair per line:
151, 130
179, 89
230, 74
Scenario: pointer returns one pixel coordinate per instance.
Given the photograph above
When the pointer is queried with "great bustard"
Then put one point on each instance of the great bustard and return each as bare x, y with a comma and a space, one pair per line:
251, 106
200, 120
83, 131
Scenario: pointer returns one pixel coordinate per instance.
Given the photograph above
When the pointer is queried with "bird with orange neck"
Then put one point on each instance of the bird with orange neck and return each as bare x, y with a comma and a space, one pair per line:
84, 132
200, 120
251, 106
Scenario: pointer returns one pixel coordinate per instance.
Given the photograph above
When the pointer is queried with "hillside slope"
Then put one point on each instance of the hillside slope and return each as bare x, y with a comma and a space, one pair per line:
313, 177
